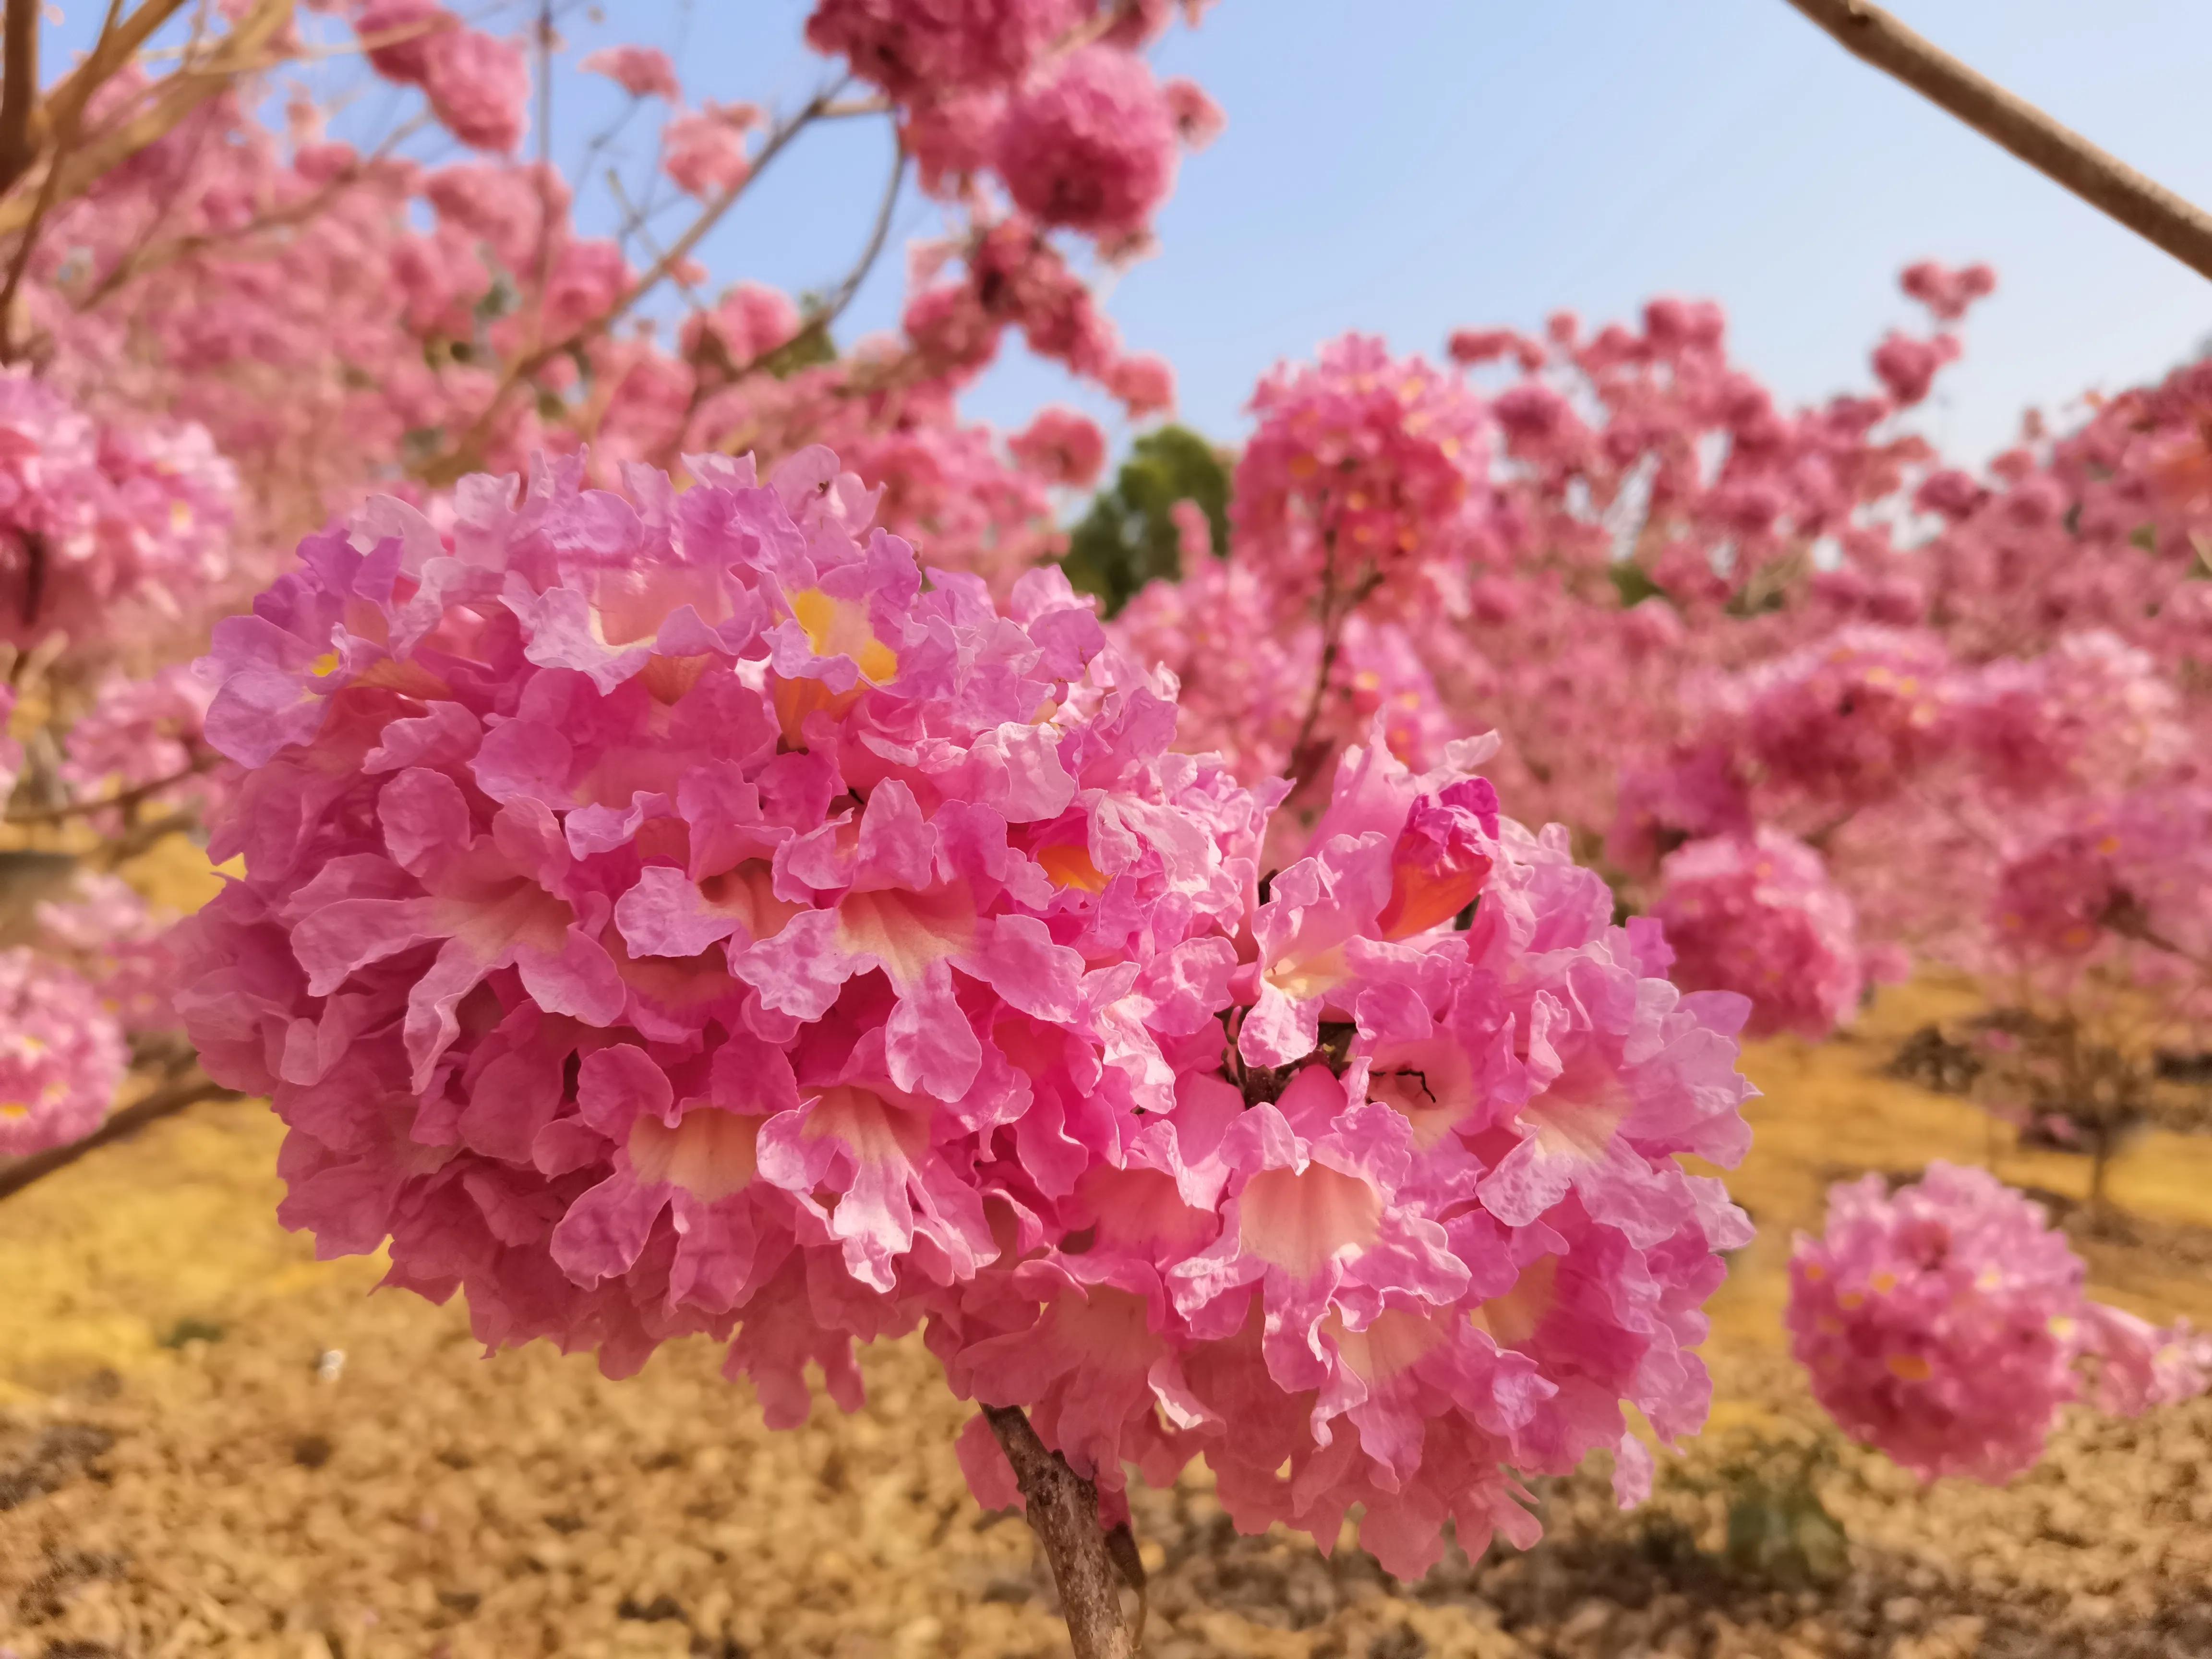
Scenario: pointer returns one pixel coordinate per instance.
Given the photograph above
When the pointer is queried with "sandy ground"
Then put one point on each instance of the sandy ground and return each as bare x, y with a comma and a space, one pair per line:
187, 1466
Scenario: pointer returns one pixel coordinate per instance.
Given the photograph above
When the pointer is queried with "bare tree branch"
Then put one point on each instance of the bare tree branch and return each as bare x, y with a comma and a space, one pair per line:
1063, 1508
130, 797
467, 454
19, 89
170, 102
164, 1102
2106, 182
116, 46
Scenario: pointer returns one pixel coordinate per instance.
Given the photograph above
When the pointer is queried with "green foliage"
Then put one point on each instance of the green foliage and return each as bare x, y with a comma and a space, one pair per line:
808, 347
1633, 583
1127, 538
1779, 1531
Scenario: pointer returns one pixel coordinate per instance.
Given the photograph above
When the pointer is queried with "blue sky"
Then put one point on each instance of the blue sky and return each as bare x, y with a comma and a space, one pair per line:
1404, 167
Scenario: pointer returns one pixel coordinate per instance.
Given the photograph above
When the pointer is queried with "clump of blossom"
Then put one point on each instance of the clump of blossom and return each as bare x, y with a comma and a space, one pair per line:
1198, 120
1060, 446
748, 321
703, 151
139, 733
1090, 144
2091, 710
1758, 915
640, 71
397, 35
1947, 292
1850, 718
2137, 867
96, 522
912, 46
479, 88
1908, 366
1945, 1324
61, 1056
108, 933
1357, 473
665, 913
1143, 382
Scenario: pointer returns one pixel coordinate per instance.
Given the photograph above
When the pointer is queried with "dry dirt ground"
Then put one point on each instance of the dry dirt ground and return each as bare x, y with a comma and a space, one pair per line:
188, 1465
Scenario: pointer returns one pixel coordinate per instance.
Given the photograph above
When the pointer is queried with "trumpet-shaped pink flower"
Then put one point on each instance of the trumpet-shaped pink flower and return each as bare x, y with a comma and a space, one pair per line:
1945, 1324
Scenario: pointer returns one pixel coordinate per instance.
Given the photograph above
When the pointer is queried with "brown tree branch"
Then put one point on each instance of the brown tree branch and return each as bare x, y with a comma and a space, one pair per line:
164, 1102
2103, 181
19, 89
1063, 1508
116, 46
170, 102
130, 797
467, 454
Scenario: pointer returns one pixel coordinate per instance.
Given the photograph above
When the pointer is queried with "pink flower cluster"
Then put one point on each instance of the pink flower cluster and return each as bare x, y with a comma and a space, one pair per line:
1091, 144
908, 46
101, 523
1850, 719
106, 932
2137, 867
61, 1056
1945, 1324
1760, 916
1358, 474
668, 913
139, 736
479, 85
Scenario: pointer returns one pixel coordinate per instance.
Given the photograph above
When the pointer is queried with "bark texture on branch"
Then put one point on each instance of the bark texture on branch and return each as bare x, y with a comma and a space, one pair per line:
1062, 1508
19, 89
2103, 181
164, 1102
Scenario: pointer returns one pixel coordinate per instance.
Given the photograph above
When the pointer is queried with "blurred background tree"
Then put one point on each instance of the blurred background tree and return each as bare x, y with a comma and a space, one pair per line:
1129, 535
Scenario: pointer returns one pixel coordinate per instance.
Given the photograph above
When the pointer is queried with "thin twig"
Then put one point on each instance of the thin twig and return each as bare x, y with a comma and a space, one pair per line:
1306, 755
1062, 1510
544, 156
876, 237
153, 255
467, 454
122, 798
2101, 179
162, 1102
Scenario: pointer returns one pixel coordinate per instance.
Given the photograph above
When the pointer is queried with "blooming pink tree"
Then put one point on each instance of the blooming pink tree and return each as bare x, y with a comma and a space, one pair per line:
705, 871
